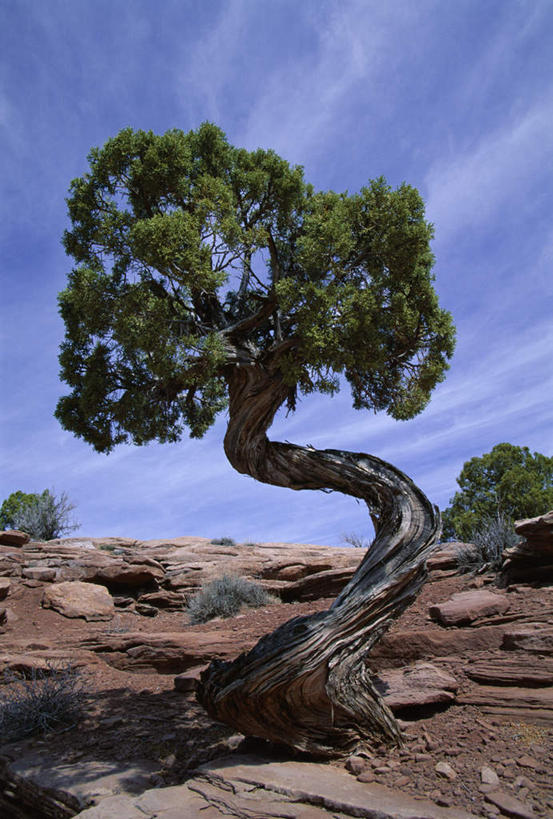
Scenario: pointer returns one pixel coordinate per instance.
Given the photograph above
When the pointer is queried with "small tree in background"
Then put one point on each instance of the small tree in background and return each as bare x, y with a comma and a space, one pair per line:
14, 505
43, 517
506, 484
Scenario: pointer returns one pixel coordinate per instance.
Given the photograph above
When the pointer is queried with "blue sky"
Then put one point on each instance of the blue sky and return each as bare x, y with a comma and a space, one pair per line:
455, 98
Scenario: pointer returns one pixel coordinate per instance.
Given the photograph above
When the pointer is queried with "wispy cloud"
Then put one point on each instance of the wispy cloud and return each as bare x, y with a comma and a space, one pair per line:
466, 188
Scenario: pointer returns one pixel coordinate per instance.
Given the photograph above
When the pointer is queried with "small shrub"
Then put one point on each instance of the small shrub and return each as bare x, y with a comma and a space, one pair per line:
225, 597
250, 545
357, 541
488, 543
48, 700
47, 517
223, 541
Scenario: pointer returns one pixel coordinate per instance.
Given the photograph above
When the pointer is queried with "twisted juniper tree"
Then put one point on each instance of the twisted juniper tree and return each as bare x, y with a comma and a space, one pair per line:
211, 278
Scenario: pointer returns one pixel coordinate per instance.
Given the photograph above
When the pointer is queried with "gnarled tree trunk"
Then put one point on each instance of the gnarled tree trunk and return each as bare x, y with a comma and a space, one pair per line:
307, 684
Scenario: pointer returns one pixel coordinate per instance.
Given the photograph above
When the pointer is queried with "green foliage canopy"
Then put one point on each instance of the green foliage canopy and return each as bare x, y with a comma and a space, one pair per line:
510, 482
16, 504
192, 255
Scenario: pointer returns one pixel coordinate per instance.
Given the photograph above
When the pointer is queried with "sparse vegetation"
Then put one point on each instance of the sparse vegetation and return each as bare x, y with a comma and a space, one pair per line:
357, 541
223, 541
45, 516
225, 597
47, 700
487, 543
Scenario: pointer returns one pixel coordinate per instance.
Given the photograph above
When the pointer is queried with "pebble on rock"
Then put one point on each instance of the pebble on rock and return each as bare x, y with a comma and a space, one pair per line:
356, 765
445, 769
488, 776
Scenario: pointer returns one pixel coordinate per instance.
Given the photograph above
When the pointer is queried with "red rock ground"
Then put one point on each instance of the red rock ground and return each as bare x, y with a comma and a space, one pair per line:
140, 715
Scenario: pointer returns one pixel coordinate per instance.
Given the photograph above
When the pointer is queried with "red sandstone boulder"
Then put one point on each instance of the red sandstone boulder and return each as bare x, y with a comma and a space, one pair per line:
537, 531
13, 537
466, 607
76, 599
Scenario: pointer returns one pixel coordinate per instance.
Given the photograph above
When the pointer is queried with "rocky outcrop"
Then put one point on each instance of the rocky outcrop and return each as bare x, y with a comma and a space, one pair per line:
170, 571
531, 560
76, 599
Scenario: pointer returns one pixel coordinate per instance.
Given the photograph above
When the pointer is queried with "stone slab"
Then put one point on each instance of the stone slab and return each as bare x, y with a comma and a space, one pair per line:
323, 785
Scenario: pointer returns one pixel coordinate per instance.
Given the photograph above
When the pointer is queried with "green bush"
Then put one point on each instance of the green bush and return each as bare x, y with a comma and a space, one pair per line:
510, 481
225, 597
13, 505
223, 541
48, 700
47, 517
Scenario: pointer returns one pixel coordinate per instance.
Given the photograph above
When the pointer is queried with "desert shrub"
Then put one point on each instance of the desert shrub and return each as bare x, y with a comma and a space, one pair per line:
225, 597
358, 541
47, 517
487, 543
250, 545
223, 541
48, 700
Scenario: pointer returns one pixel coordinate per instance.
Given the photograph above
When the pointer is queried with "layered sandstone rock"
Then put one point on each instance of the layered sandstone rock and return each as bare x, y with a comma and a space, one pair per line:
165, 573
416, 686
531, 560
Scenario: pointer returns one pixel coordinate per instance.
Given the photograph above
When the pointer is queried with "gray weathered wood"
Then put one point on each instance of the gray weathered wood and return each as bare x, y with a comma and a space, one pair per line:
307, 684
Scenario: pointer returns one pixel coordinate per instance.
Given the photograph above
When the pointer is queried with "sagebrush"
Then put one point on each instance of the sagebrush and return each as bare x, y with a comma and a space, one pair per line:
225, 597
357, 541
47, 700
487, 544
47, 517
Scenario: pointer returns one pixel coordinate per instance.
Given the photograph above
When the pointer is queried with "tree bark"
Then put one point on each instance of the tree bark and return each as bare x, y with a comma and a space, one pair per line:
307, 684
